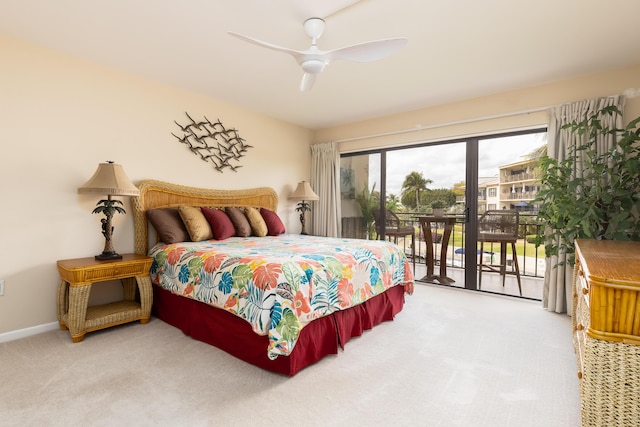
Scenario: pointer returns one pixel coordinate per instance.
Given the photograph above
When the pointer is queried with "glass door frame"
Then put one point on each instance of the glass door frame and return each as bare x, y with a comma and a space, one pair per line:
471, 216
471, 188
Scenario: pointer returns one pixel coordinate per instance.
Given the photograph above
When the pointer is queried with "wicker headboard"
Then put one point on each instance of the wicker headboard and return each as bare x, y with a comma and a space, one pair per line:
158, 194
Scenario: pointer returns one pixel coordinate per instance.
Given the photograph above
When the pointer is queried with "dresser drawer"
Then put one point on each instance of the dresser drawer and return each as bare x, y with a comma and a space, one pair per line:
582, 318
582, 286
608, 275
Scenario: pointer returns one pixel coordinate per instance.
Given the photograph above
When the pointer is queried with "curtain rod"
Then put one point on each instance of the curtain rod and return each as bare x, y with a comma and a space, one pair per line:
439, 125
628, 93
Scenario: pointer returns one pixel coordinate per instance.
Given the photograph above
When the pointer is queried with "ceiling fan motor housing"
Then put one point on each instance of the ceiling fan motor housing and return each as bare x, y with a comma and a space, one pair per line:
313, 66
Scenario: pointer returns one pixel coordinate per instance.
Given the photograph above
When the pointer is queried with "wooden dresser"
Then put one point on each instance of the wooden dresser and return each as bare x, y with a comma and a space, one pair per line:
606, 325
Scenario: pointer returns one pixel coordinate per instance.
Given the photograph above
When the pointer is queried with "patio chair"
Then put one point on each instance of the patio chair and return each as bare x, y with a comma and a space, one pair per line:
499, 226
393, 228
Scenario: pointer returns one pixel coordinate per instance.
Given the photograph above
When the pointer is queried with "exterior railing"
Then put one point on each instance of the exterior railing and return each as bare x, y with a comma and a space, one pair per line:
508, 195
531, 258
519, 177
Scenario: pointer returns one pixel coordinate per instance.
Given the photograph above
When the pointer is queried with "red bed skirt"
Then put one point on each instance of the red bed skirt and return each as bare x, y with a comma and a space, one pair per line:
234, 335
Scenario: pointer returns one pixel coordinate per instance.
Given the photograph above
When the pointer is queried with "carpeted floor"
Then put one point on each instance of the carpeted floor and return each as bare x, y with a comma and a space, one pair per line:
450, 358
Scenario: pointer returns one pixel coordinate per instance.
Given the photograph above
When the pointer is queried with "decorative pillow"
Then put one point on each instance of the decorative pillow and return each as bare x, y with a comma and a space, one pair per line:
197, 225
258, 226
273, 221
221, 225
168, 225
240, 222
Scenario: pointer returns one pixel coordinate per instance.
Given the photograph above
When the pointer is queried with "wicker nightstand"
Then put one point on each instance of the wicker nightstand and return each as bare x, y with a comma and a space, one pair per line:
76, 278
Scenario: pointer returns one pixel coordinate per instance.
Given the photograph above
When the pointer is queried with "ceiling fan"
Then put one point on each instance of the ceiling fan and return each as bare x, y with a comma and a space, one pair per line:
314, 60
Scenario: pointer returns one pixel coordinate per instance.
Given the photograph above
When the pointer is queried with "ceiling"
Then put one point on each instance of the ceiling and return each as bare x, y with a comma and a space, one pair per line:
458, 49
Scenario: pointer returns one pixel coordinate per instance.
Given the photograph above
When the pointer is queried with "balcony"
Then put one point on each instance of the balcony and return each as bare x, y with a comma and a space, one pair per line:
519, 177
530, 258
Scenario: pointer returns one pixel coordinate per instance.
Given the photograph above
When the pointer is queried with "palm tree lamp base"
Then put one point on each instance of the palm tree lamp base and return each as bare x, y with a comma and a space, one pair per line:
303, 193
108, 208
303, 207
104, 256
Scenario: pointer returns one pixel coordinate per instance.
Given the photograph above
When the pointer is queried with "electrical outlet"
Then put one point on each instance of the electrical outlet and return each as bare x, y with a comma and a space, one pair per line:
1, 287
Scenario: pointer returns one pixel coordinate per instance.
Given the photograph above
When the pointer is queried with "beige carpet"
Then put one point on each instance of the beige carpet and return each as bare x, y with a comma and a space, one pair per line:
451, 358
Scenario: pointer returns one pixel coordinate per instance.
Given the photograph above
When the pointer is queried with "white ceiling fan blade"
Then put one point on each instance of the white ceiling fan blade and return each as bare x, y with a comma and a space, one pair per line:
314, 60
368, 51
307, 82
296, 54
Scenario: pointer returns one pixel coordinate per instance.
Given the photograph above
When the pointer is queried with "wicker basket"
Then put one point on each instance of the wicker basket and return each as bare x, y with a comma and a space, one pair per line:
610, 384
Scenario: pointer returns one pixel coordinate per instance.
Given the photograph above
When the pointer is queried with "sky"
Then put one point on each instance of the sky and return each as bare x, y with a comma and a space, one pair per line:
445, 164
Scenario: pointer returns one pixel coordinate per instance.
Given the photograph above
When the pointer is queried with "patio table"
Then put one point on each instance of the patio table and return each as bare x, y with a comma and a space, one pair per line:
426, 222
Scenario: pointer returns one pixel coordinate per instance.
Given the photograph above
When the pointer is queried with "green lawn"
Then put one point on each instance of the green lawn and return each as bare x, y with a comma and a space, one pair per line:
520, 244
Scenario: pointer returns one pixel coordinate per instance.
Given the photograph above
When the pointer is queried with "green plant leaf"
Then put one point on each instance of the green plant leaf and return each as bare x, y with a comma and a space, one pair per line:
592, 194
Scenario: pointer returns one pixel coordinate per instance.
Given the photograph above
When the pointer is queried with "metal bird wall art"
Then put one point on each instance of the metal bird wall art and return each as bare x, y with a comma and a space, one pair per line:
213, 143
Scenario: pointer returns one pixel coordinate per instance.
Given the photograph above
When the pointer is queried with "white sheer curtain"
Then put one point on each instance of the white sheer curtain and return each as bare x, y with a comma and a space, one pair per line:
556, 294
325, 180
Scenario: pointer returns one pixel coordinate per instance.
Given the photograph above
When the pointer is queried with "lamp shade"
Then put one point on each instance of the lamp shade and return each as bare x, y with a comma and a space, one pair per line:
109, 179
303, 192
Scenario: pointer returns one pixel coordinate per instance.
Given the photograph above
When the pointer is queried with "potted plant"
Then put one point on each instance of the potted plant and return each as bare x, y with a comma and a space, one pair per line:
438, 207
603, 202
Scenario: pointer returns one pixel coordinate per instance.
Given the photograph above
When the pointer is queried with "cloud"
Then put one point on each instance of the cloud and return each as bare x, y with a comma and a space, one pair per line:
445, 164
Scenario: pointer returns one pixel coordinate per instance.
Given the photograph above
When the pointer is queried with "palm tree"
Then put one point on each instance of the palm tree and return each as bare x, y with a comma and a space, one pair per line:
413, 183
392, 202
367, 203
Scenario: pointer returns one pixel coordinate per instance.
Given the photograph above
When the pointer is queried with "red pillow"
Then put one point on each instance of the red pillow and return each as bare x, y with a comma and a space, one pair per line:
274, 224
221, 225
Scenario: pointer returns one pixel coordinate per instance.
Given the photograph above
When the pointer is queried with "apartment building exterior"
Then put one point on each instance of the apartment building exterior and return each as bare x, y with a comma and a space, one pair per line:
518, 186
515, 187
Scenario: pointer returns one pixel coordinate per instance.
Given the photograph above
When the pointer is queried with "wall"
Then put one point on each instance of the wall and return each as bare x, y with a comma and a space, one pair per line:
460, 119
60, 117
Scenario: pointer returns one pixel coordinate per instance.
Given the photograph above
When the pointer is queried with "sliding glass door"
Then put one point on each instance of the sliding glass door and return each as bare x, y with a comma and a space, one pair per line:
508, 183
442, 190
426, 187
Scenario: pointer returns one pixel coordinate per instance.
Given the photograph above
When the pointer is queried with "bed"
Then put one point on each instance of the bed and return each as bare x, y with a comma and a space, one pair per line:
280, 302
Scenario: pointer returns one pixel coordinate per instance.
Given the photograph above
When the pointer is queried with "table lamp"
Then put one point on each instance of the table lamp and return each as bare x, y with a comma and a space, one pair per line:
109, 179
304, 193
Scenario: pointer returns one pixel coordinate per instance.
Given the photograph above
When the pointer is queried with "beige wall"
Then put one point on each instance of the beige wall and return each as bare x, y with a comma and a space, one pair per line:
443, 122
60, 117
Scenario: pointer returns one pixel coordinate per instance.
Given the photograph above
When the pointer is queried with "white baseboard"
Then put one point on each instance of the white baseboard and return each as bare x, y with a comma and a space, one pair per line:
27, 332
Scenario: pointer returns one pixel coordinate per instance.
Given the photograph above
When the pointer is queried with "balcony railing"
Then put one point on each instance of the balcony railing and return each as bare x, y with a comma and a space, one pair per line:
518, 195
531, 258
519, 177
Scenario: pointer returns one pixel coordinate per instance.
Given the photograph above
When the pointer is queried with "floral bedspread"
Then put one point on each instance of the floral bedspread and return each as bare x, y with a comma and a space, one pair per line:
279, 284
